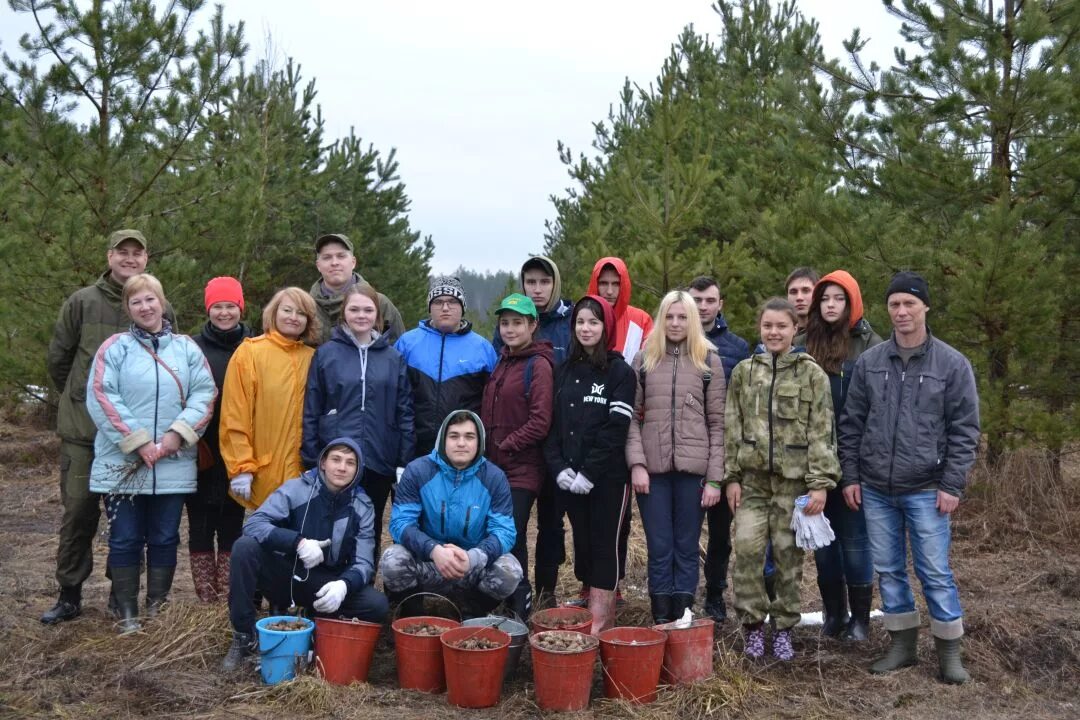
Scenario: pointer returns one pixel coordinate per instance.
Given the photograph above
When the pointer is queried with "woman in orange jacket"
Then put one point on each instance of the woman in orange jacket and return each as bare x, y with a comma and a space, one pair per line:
262, 404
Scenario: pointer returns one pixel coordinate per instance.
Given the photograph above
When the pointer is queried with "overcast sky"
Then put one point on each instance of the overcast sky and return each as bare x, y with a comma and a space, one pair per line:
475, 94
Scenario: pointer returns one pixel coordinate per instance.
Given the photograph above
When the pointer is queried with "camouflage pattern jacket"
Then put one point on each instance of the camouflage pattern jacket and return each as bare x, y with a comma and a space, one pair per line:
779, 420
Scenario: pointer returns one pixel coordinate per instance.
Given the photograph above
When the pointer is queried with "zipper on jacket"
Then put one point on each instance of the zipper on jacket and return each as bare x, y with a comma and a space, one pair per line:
465, 530
157, 390
674, 376
442, 518
772, 384
438, 385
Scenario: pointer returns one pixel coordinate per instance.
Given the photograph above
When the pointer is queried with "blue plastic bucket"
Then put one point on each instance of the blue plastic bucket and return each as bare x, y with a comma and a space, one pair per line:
282, 650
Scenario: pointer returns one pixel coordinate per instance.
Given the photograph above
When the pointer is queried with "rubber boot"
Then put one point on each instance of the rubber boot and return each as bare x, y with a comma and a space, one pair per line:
835, 615
680, 602
714, 605
602, 607
661, 608
520, 602
860, 597
203, 575
125, 588
158, 583
243, 645
410, 603
582, 600
68, 606
902, 653
770, 586
948, 654
222, 568
477, 604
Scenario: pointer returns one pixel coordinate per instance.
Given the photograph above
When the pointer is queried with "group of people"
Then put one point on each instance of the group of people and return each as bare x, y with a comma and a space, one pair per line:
574, 407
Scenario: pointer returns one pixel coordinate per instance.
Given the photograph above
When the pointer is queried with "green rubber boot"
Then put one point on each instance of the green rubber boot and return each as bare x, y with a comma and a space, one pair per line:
901, 652
952, 670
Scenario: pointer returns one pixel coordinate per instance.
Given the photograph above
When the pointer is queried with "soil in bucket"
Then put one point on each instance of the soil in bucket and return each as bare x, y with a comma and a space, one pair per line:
571, 619
419, 652
631, 658
688, 654
284, 644
519, 636
344, 648
563, 669
474, 658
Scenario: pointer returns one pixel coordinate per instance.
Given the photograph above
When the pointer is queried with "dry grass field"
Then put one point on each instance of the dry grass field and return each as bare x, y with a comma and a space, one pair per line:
1015, 557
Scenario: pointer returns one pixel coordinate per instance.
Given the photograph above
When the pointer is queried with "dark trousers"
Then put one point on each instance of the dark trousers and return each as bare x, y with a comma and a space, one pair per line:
848, 557
550, 536
718, 552
671, 514
139, 523
597, 520
82, 510
210, 520
254, 568
523, 502
378, 487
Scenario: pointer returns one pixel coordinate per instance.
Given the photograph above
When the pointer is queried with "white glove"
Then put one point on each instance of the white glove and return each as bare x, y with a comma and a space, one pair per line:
330, 596
580, 485
477, 558
812, 532
310, 552
565, 478
241, 485
399, 472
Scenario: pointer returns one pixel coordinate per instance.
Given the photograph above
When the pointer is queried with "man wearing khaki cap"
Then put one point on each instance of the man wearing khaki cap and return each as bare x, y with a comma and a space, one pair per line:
337, 264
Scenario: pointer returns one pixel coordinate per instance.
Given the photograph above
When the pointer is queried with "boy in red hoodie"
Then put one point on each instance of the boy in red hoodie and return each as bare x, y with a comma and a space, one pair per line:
516, 411
611, 281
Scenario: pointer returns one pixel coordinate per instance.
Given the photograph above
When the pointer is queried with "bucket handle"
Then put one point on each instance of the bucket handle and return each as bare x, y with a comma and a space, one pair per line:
448, 601
285, 636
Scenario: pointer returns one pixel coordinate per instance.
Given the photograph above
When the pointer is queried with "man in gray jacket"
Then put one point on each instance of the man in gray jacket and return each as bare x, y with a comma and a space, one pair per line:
908, 436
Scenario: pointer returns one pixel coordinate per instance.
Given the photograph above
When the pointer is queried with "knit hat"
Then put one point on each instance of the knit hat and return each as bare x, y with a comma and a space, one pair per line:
520, 304
909, 282
121, 235
224, 289
446, 285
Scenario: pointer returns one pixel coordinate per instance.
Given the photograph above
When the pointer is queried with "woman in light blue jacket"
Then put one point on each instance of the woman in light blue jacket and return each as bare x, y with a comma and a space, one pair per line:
151, 395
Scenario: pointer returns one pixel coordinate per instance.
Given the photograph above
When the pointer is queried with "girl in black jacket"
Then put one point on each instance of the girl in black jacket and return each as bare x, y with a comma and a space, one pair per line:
585, 452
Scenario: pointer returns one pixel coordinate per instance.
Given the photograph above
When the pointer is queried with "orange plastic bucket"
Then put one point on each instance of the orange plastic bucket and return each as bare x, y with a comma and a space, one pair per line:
344, 648
474, 678
419, 657
571, 619
631, 658
563, 679
688, 653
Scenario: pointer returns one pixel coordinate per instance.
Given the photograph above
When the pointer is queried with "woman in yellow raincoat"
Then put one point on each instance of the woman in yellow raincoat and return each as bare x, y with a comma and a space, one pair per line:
262, 405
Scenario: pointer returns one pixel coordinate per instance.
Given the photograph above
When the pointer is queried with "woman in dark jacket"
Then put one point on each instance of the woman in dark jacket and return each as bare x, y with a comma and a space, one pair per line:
516, 412
836, 334
357, 387
211, 512
586, 451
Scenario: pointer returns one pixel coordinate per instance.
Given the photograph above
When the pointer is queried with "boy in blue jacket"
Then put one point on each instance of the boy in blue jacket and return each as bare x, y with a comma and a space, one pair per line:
452, 523
311, 543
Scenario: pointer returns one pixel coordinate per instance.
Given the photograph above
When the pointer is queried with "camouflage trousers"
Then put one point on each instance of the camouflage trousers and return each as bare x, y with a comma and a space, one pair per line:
765, 514
401, 572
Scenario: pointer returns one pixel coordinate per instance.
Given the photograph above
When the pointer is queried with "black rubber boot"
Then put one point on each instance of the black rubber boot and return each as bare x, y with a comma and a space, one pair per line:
477, 604
770, 586
860, 597
67, 607
125, 588
410, 603
243, 645
714, 605
952, 669
661, 608
520, 603
835, 614
679, 603
159, 579
902, 652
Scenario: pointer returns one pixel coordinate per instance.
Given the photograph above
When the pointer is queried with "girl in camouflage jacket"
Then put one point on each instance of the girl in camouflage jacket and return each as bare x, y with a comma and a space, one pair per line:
779, 444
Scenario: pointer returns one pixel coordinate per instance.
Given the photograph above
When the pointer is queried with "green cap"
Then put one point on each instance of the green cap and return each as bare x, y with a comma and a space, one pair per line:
520, 304
340, 238
121, 235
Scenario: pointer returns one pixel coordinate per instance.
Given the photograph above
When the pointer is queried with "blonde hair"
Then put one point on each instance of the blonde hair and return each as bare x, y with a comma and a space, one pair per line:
697, 345
139, 283
300, 299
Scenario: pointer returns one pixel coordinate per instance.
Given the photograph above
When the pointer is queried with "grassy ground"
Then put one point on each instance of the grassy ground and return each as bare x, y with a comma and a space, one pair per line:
1014, 557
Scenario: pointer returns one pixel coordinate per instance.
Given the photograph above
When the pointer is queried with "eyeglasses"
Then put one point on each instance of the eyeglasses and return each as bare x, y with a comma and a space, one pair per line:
444, 304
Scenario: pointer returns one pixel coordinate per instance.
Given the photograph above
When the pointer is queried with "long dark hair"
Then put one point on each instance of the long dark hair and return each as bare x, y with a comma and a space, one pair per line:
828, 342
597, 354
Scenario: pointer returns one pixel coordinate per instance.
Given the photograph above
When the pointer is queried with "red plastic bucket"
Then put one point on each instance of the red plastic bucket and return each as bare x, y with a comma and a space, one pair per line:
570, 619
631, 658
419, 657
344, 648
688, 653
563, 679
474, 678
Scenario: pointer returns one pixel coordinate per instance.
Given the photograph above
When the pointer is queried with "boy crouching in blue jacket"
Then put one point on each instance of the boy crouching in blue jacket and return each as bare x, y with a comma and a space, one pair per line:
312, 544
453, 523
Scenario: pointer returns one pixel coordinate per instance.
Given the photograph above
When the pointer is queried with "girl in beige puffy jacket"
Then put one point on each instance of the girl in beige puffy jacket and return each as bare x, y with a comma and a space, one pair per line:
675, 449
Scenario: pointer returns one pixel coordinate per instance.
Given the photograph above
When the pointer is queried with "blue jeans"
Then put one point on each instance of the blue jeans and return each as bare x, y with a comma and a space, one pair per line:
847, 559
894, 520
671, 514
138, 522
